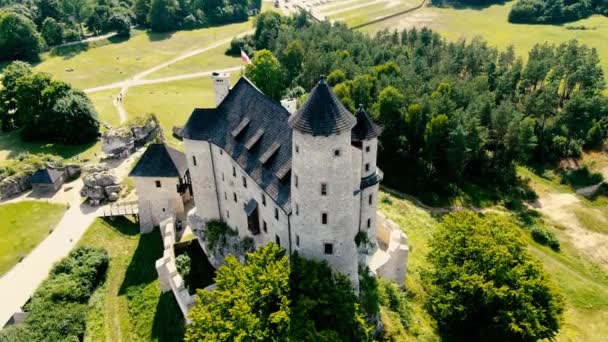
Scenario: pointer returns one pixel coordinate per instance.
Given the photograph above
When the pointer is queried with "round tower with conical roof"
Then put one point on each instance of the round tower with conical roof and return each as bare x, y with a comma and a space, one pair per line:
323, 184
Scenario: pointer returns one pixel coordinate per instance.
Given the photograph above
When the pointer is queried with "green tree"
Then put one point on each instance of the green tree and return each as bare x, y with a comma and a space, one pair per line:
267, 25
19, 38
362, 89
8, 94
485, 285
250, 303
162, 16
292, 58
121, 24
335, 77
52, 31
265, 71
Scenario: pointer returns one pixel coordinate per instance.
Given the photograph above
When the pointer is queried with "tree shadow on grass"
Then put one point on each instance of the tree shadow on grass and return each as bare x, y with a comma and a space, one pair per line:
11, 141
201, 272
141, 270
168, 323
71, 51
158, 36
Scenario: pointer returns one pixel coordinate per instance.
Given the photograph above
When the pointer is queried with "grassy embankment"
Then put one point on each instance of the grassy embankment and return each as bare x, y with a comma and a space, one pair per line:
582, 281
129, 305
23, 226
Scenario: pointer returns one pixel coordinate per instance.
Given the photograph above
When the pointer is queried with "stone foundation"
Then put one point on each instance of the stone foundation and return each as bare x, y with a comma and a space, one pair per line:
389, 260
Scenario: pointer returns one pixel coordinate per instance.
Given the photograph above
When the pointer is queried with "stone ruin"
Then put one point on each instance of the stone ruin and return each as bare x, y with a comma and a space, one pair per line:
100, 185
122, 141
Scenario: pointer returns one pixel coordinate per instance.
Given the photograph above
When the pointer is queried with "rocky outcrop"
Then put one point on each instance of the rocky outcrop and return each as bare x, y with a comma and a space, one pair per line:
100, 185
120, 142
14, 185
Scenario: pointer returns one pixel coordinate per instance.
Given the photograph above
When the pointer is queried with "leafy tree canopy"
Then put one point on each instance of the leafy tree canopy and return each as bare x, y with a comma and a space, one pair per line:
266, 72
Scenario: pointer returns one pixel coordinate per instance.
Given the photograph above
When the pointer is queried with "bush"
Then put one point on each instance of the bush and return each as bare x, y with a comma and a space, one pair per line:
52, 31
182, 262
216, 234
545, 237
121, 24
393, 298
580, 178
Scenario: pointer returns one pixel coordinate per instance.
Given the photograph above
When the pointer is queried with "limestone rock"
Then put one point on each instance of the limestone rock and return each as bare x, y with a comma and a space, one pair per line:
73, 171
114, 142
113, 197
120, 142
14, 185
100, 185
113, 189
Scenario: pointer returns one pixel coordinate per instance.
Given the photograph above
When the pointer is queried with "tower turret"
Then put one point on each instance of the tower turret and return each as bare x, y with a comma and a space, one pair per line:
322, 195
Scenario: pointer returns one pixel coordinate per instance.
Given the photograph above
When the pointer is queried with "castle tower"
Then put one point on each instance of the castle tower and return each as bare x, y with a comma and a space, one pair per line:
365, 138
325, 220
221, 86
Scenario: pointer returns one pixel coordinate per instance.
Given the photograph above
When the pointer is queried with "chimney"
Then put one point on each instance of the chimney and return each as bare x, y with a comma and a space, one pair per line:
290, 104
221, 86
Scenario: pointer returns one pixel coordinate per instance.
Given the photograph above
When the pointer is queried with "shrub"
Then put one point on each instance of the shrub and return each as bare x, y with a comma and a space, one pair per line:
216, 234
545, 237
394, 298
581, 177
121, 24
182, 262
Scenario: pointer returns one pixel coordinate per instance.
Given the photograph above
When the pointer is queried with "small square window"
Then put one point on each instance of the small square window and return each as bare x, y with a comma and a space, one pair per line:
367, 148
265, 226
244, 181
323, 189
329, 248
277, 240
298, 240
234, 197
337, 152
371, 199
194, 160
369, 223
264, 199
297, 149
367, 167
163, 210
324, 218
233, 171
296, 180
225, 195
276, 213
157, 184
221, 151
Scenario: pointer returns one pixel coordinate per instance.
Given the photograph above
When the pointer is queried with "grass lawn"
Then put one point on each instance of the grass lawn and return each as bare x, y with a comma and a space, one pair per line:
23, 226
206, 61
583, 283
129, 306
491, 23
11, 146
172, 102
104, 104
363, 14
122, 59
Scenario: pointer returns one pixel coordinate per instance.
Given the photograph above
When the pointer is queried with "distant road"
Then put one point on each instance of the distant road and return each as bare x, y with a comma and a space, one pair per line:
87, 40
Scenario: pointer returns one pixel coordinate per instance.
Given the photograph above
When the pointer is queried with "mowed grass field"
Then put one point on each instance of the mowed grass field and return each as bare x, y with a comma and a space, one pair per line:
129, 305
492, 24
23, 226
358, 12
583, 283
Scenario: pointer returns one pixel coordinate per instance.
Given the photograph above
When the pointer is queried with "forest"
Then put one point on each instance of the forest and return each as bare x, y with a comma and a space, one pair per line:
29, 27
454, 113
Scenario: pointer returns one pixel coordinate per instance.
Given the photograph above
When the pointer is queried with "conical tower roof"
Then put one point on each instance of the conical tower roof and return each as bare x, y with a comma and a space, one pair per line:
323, 113
365, 129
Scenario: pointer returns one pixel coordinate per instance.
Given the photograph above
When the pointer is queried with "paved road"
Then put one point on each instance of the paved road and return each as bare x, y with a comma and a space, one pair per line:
19, 283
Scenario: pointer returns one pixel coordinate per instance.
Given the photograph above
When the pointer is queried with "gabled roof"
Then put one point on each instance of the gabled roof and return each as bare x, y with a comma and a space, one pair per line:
46, 176
160, 160
322, 114
235, 126
365, 129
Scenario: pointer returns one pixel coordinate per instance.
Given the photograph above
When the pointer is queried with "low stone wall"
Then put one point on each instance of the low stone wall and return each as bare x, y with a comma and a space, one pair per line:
170, 279
390, 259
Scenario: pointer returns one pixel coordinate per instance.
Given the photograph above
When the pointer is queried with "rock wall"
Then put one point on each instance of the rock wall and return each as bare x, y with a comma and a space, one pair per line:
100, 185
14, 185
120, 142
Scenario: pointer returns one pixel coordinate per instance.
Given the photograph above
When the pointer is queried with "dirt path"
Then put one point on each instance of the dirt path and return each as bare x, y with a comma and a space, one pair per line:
559, 207
139, 78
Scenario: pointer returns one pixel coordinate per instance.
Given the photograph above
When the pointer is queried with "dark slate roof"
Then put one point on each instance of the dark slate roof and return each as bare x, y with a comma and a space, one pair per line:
365, 129
160, 160
253, 129
46, 176
323, 113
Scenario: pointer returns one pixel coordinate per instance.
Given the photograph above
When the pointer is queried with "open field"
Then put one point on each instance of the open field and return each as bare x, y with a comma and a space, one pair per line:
491, 23
104, 104
121, 60
23, 226
11, 146
172, 102
360, 13
582, 281
129, 306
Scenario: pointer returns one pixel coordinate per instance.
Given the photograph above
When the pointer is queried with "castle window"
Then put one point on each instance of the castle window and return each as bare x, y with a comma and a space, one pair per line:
324, 218
221, 151
369, 223
276, 213
371, 199
194, 160
223, 178
163, 210
277, 240
233, 171
297, 209
367, 167
296, 180
367, 148
264, 226
244, 181
225, 195
157, 184
264, 199
228, 213
297, 149
298, 240
323, 189
234, 197
337, 152
329, 248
